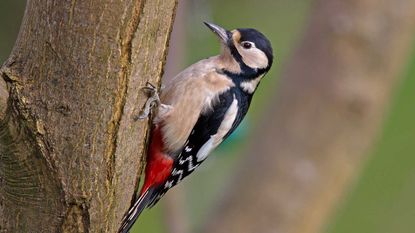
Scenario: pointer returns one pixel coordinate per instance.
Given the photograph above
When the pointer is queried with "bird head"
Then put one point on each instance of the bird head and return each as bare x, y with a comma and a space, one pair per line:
247, 46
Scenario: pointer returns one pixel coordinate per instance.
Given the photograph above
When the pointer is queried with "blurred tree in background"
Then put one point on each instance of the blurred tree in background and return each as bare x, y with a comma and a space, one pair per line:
312, 123
11, 13
329, 107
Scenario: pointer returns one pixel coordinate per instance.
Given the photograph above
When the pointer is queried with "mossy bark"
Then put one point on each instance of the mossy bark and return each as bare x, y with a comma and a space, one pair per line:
70, 152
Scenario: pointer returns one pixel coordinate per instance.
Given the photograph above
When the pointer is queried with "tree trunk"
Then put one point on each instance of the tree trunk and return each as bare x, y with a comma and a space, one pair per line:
329, 109
71, 153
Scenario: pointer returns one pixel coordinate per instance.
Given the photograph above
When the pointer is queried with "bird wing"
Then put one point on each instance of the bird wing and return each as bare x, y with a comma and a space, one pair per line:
210, 130
190, 94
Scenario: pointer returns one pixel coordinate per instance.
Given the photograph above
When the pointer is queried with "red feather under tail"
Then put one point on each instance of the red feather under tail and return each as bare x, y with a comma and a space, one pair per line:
158, 169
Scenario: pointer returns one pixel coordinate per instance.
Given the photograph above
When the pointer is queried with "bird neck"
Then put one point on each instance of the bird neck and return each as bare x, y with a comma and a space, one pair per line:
246, 82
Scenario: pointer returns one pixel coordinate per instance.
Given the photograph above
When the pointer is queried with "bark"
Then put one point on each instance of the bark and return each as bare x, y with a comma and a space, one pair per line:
71, 153
329, 109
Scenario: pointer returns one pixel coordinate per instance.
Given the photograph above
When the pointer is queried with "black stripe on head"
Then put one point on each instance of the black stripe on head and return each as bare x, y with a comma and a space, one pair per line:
261, 42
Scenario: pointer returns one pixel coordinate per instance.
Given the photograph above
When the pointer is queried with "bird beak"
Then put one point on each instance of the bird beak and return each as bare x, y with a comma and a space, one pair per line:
221, 32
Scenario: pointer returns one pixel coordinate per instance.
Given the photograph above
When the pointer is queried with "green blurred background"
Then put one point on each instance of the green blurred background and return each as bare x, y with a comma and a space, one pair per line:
381, 201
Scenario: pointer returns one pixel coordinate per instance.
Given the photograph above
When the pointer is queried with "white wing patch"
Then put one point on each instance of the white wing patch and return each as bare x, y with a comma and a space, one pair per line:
168, 184
187, 149
223, 129
250, 86
205, 150
177, 172
189, 160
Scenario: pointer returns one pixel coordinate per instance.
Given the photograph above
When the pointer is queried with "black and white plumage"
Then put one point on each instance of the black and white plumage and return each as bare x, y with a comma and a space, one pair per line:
200, 108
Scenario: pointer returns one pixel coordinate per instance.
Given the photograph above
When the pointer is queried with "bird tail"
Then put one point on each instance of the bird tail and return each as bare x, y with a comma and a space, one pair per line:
135, 211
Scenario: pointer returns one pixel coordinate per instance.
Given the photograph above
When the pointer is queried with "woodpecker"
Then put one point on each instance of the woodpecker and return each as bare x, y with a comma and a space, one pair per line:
198, 109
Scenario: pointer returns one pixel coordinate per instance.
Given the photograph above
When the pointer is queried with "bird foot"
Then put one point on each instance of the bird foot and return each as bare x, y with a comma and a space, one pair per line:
152, 101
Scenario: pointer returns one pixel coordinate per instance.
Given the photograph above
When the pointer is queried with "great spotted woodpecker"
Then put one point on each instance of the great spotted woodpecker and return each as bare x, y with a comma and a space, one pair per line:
198, 109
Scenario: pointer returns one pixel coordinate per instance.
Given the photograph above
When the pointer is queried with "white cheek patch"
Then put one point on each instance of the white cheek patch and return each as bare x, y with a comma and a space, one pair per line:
253, 57
251, 85
223, 129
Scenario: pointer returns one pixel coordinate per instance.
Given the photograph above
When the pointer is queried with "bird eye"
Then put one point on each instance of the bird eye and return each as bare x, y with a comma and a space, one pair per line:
246, 45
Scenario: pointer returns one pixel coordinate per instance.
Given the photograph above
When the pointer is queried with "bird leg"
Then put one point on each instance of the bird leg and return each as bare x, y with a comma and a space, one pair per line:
152, 101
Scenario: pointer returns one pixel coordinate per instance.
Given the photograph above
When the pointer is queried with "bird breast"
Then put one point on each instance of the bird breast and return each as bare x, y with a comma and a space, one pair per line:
190, 94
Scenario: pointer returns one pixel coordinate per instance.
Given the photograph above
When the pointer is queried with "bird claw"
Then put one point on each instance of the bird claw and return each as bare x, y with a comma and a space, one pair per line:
152, 101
